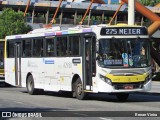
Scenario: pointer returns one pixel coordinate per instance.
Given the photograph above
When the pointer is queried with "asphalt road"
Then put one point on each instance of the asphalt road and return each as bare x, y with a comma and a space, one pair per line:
18, 100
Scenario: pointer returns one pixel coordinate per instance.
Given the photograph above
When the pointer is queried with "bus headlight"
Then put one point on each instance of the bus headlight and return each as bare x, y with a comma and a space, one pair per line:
148, 78
105, 79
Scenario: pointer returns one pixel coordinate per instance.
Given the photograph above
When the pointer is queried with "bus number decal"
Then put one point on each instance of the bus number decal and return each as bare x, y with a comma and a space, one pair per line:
111, 31
76, 61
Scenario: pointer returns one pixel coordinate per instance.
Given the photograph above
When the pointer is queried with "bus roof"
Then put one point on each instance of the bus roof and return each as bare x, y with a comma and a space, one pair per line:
117, 25
52, 32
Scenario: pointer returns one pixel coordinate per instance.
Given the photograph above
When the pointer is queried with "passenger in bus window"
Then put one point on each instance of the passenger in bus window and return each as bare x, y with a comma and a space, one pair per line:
142, 51
87, 59
88, 65
143, 58
87, 55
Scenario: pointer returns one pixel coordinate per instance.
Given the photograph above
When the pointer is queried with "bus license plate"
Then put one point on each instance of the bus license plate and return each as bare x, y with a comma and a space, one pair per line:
128, 87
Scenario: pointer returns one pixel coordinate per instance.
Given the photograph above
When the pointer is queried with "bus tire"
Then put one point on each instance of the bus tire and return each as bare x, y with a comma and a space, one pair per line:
30, 85
122, 96
73, 90
80, 94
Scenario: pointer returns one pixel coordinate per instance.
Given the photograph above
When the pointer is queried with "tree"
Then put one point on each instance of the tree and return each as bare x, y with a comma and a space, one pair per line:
12, 23
149, 2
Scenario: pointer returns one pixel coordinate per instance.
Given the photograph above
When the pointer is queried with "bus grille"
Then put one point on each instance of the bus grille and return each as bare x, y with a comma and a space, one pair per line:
122, 72
123, 86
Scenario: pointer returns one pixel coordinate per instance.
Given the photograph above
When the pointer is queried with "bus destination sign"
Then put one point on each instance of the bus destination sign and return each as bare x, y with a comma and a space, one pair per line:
124, 31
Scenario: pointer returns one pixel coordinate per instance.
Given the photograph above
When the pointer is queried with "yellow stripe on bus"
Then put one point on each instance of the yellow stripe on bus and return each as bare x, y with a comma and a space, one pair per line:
79, 66
13, 69
128, 79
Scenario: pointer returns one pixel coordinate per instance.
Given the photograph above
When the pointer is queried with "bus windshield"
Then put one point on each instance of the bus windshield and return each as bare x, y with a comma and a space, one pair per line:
2, 55
120, 52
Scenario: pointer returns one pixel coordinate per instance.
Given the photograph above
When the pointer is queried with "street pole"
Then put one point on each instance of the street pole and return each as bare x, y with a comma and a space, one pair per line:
131, 12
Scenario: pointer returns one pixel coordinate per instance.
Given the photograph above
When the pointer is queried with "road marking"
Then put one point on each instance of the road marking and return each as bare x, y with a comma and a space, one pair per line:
104, 118
18, 102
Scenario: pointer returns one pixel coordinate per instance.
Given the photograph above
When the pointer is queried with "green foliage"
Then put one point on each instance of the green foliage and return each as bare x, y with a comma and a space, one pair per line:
12, 23
149, 2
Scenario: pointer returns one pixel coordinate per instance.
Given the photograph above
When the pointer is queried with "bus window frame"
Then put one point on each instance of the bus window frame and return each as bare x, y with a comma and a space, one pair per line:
60, 36
7, 47
45, 46
80, 44
32, 50
68, 39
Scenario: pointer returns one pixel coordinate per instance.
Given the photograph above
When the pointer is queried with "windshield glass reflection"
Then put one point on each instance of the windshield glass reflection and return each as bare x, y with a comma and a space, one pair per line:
124, 52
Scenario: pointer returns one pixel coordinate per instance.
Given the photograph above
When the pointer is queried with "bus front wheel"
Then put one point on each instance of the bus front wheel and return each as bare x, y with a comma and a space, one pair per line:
80, 94
30, 85
122, 96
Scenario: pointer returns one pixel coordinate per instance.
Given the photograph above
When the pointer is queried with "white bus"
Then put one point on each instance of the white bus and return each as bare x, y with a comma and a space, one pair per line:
51, 60
116, 60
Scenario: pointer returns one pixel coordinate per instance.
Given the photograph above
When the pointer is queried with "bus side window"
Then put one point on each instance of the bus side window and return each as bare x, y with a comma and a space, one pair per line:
27, 48
10, 49
27, 53
61, 46
50, 47
37, 47
74, 46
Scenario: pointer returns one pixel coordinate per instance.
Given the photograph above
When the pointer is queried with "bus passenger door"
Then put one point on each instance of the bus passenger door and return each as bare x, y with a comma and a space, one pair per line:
89, 61
17, 53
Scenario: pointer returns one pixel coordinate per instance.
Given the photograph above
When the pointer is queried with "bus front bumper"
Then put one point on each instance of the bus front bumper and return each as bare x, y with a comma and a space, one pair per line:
106, 88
